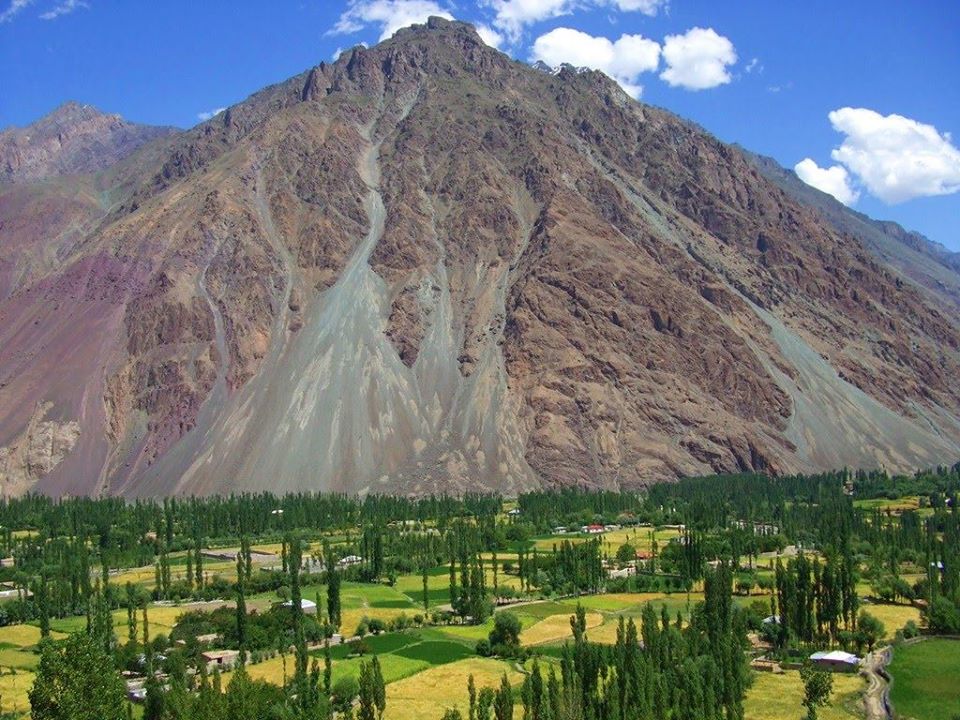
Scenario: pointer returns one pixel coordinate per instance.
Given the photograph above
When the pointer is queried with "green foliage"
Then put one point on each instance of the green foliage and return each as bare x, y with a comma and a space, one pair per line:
817, 686
505, 636
76, 683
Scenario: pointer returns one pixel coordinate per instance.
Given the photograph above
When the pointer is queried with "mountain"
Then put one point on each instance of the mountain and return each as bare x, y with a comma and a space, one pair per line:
928, 263
428, 267
74, 139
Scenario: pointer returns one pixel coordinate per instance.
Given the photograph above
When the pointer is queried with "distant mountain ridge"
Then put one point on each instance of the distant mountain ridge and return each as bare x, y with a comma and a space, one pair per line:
74, 139
427, 267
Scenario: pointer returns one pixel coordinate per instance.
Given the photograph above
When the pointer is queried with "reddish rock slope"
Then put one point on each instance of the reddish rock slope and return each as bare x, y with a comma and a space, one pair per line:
428, 267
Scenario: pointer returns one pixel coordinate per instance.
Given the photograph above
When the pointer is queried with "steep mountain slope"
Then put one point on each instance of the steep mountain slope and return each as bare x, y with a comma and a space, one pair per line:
428, 267
927, 263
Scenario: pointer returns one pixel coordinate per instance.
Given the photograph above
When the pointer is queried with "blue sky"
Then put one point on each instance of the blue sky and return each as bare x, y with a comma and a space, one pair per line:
863, 94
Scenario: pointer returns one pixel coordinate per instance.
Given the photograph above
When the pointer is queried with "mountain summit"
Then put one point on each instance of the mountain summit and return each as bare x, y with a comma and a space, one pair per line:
73, 139
427, 267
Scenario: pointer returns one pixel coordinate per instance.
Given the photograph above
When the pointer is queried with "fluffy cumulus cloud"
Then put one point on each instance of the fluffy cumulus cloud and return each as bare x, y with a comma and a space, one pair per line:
388, 15
207, 114
490, 36
832, 180
624, 60
896, 158
512, 16
63, 8
698, 59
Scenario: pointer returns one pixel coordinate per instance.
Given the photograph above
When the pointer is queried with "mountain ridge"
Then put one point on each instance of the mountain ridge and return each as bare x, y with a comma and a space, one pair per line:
429, 267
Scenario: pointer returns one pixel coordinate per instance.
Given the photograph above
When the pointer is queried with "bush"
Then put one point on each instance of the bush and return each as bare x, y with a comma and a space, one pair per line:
483, 648
910, 630
506, 631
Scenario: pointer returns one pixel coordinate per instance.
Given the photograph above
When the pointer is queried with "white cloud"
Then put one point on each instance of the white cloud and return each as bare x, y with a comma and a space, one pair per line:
14, 9
490, 36
512, 16
896, 158
647, 7
698, 59
624, 60
63, 8
389, 15
754, 64
833, 180
210, 113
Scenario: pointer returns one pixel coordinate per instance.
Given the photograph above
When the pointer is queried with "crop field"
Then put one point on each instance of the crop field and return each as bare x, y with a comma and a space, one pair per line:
23, 636
908, 502
640, 537
554, 628
779, 697
426, 695
926, 678
892, 616
14, 687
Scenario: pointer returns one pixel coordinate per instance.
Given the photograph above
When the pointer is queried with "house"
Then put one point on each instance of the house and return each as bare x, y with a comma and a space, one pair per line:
309, 607
560, 530
771, 620
644, 555
836, 661
222, 659
628, 571
514, 512
349, 560
592, 529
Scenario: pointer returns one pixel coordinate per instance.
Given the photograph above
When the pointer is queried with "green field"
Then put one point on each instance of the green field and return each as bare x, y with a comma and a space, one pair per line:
926, 680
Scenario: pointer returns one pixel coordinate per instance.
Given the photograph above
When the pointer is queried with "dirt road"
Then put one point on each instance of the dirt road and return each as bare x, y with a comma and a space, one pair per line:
877, 695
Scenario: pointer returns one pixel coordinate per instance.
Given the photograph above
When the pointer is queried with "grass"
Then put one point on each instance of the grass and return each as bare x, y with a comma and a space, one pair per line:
611, 541
19, 659
401, 655
908, 502
24, 636
13, 691
925, 680
892, 616
778, 697
554, 628
436, 652
428, 694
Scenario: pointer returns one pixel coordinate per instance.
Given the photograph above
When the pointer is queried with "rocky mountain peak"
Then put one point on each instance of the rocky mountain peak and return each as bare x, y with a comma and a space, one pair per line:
428, 267
72, 139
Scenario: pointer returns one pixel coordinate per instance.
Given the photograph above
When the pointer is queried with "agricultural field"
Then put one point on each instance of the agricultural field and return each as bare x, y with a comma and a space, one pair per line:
926, 680
426, 695
779, 697
893, 617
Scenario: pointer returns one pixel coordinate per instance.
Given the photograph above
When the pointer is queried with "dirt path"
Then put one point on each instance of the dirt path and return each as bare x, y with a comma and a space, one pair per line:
877, 696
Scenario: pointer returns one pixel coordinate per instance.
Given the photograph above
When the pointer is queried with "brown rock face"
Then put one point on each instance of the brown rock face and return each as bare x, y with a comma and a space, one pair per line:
73, 139
427, 267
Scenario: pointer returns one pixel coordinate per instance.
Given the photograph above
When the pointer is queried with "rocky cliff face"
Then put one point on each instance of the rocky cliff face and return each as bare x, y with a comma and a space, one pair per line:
428, 267
72, 140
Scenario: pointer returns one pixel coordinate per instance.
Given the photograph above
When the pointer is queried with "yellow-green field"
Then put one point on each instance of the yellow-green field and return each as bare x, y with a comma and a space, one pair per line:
14, 689
893, 617
24, 635
778, 697
641, 538
554, 628
426, 695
